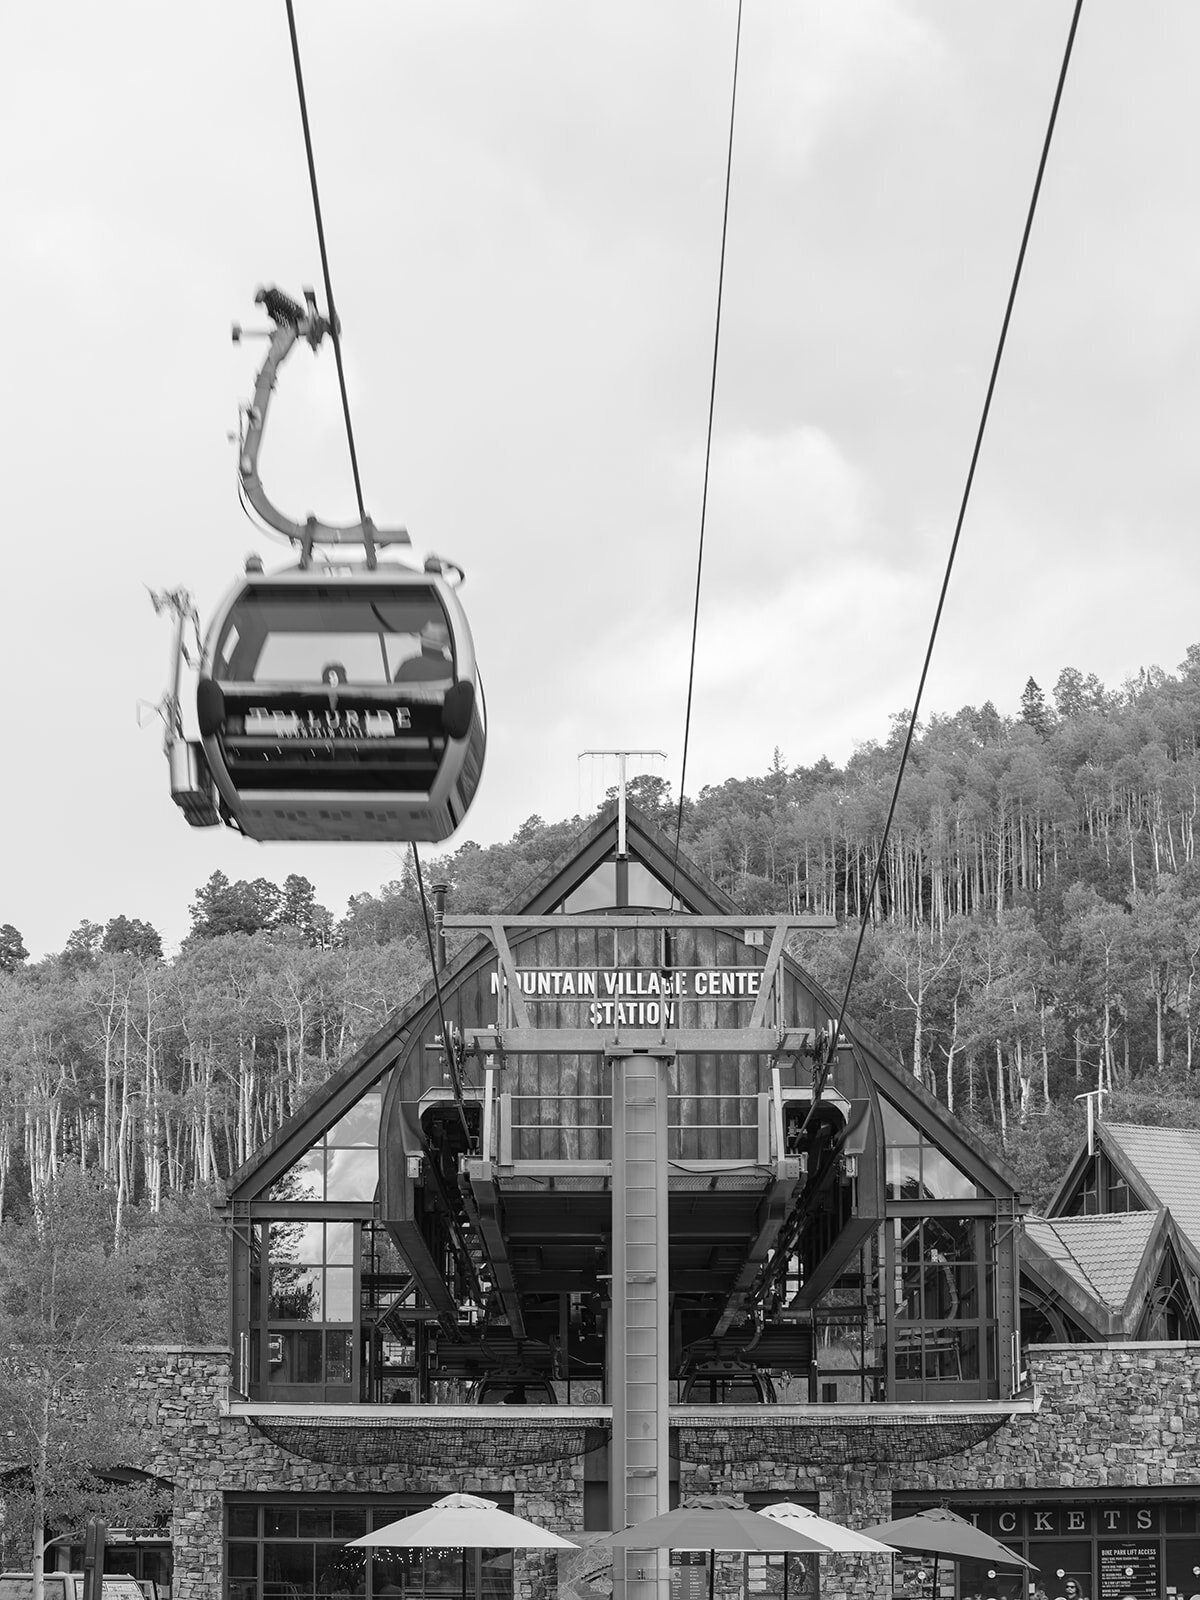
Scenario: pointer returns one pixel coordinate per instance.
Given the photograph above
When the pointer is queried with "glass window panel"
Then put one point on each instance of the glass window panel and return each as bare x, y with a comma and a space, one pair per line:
912, 1247
950, 1293
243, 1520
341, 1572
256, 1265
903, 1170
295, 1294
243, 1561
298, 1241
305, 1180
942, 1356
968, 1292
243, 1589
156, 1567
279, 1521
282, 634
339, 1294
764, 1574
940, 1300
287, 1569
396, 1572
950, 1238
380, 1516
942, 1180
349, 1522
908, 1307
897, 1129
308, 1355
360, 1125
647, 890
339, 1242
295, 1357
597, 892
443, 1572
908, 1353
968, 1347
299, 658
338, 1365
313, 1522
353, 1174
283, 1240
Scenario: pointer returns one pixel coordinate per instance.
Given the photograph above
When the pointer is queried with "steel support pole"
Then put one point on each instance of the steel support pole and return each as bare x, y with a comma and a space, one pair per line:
639, 1328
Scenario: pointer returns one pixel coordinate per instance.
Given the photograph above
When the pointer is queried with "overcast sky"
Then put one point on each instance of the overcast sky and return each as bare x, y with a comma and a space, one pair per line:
523, 210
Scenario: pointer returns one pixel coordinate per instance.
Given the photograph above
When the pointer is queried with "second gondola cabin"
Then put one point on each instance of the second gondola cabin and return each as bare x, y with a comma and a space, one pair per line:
341, 704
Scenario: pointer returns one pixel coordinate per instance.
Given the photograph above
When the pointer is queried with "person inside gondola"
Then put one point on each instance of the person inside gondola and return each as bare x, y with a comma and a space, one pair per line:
432, 663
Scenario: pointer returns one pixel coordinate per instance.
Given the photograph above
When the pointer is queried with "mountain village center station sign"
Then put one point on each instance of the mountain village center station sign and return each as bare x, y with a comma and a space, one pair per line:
637, 997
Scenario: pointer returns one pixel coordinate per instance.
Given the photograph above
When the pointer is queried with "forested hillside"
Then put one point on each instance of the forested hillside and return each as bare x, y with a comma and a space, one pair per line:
1035, 935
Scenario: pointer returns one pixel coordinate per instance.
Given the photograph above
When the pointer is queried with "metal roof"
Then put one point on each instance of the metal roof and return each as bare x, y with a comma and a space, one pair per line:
1167, 1161
1103, 1254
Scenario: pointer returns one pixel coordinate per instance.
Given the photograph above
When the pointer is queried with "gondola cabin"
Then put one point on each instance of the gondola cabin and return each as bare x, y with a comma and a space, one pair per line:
340, 704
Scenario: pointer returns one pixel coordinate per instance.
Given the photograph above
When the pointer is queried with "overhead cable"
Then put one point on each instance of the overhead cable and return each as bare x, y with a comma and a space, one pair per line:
448, 1042
334, 326
958, 526
712, 402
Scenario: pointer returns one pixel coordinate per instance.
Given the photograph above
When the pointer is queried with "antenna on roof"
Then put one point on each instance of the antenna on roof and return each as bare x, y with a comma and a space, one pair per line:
622, 769
1093, 1098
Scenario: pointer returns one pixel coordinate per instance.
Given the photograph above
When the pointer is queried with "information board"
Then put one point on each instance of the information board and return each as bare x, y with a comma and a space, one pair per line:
1129, 1572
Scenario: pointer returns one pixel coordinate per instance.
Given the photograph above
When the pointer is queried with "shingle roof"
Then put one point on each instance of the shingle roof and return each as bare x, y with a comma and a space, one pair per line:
1102, 1253
1168, 1160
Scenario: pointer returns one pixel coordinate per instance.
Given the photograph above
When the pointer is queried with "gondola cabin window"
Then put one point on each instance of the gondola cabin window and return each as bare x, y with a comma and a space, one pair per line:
353, 638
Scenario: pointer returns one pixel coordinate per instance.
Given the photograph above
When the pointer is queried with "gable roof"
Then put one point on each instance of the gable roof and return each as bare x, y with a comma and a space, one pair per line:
1167, 1160
1098, 1264
645, 841
1102, 1253
1159, 1164
650, 844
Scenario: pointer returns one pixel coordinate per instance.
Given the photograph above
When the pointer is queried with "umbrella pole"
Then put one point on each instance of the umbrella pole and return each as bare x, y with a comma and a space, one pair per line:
464, 1573
712, 1569
785, 1567
935, 1567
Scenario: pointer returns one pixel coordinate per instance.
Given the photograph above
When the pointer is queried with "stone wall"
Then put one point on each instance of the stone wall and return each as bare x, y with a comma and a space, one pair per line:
1111, 1417
1121, 1416
182, 1403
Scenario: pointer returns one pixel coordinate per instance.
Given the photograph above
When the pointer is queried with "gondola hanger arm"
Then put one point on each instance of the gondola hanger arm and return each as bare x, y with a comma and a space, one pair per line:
291, 322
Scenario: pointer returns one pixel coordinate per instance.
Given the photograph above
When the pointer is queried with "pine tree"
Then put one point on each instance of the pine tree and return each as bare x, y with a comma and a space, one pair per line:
12, 948
1034, 711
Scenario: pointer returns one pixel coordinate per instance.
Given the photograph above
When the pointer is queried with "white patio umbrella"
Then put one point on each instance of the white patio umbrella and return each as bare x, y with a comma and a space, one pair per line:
463, 1522
835, 1538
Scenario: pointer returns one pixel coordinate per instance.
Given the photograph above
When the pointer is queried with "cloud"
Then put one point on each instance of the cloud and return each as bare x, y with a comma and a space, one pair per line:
783, 508
776, 667
780, 502
811, 68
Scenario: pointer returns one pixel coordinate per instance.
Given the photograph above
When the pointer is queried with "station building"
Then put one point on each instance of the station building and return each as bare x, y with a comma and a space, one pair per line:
650, 1231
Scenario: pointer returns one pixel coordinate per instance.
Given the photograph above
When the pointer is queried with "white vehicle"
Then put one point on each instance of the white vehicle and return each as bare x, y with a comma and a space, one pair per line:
65, 1586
